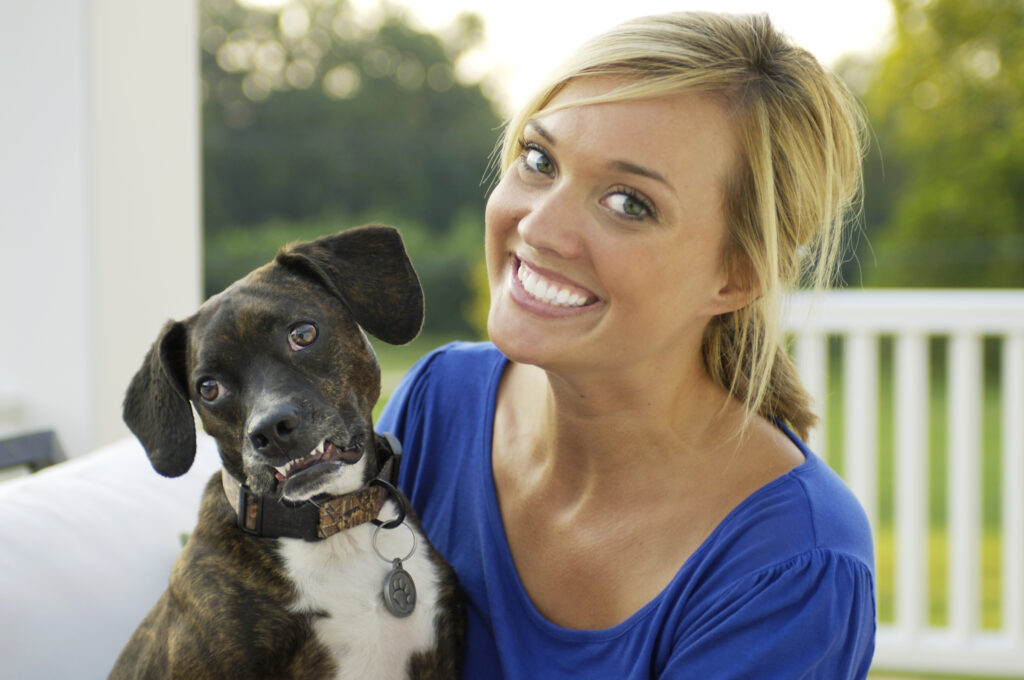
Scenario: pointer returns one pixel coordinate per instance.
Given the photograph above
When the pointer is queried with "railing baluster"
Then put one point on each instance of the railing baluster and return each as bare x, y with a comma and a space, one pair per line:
910, 643
911, 483
860, 401
812, 364
1013, 486
965, 454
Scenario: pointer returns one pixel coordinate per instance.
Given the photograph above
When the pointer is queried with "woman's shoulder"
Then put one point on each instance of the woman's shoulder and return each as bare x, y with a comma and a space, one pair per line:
808, 514
445, 383
837, 520
794, 561
452, 365
458, 357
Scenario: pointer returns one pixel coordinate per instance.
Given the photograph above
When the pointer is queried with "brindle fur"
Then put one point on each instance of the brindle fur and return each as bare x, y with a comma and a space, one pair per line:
226, 611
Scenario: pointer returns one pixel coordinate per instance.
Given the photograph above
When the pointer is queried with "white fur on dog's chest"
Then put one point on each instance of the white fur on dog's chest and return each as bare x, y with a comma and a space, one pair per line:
343, 577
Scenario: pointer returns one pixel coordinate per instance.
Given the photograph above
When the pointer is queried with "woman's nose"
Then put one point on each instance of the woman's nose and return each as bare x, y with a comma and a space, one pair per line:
553, 222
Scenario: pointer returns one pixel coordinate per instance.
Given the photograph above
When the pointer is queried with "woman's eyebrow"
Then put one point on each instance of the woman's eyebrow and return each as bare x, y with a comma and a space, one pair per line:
621, 166
634, 169
540, 130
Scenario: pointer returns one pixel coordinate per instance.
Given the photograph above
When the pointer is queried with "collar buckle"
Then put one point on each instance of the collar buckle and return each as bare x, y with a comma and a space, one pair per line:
250, 511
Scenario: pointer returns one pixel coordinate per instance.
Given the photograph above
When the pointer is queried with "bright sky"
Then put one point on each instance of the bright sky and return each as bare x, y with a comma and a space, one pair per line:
526, 38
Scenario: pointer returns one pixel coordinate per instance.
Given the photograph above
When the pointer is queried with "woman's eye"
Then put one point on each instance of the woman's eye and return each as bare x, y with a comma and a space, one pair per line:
537, 161
629, 205
209, 389
302, 335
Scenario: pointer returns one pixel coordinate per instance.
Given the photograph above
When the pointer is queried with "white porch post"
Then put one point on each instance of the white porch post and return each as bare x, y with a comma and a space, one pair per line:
99, 204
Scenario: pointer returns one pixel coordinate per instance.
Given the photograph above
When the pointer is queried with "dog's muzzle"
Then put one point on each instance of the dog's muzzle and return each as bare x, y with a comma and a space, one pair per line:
268, 517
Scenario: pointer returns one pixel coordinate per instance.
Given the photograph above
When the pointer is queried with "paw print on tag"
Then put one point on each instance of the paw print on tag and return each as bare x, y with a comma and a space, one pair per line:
399, 591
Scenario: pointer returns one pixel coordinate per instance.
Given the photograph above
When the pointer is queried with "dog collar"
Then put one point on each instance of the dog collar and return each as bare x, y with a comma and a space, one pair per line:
269, 518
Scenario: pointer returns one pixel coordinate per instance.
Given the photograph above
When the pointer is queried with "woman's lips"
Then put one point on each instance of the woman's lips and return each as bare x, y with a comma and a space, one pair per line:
543, 289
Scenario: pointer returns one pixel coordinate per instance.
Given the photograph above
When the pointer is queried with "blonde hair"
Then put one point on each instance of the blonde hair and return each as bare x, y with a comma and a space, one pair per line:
797, 181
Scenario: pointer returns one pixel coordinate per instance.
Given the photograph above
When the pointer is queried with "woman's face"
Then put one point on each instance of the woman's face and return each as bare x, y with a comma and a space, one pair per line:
604, 239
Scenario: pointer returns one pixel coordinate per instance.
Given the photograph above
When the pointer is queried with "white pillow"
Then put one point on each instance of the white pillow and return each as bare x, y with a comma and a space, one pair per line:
86, 548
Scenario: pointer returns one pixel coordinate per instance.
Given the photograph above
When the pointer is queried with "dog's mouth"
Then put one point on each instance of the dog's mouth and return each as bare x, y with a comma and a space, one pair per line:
325, 452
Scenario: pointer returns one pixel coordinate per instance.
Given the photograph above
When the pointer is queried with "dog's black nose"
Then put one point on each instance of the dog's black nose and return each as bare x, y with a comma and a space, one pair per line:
275, 430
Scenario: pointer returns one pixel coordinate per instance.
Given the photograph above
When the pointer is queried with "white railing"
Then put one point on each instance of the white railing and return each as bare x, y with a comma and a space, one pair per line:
843, 331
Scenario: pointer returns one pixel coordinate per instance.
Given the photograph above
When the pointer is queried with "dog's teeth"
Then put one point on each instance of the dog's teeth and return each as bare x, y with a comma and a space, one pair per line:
283, 471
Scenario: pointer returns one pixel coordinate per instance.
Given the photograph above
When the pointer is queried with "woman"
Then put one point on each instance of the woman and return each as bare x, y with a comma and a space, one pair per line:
616, 479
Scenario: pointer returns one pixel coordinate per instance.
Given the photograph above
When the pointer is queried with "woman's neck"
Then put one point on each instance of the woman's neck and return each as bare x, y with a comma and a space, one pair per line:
601, 432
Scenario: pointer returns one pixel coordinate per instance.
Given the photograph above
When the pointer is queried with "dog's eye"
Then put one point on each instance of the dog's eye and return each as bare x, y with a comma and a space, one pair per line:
302, 335
209, 389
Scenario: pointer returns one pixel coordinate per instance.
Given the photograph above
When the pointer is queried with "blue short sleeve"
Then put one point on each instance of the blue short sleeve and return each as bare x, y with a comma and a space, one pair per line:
813, 615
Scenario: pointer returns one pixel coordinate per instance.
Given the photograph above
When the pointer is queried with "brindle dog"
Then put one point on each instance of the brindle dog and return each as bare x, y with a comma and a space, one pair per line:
289, 572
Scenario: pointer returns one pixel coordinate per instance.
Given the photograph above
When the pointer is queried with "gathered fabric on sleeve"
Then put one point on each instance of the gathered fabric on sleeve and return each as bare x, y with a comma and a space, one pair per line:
782, 588
812, 616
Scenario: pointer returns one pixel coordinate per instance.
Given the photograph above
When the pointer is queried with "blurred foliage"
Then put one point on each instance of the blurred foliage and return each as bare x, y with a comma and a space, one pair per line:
446, 265
317, 117
944, 196
477, 307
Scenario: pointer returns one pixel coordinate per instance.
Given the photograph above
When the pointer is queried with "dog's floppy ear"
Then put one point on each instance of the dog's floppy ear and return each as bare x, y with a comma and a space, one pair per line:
368, 268
156, 406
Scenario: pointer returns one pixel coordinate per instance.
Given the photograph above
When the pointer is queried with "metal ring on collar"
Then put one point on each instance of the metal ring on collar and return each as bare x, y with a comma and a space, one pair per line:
403, 509
415, 543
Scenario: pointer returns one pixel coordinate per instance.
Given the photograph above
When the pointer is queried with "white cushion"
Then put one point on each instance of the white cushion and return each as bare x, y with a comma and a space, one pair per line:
86, 548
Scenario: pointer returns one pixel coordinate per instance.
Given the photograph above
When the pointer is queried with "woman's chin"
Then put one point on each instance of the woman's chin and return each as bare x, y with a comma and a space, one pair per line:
527, 339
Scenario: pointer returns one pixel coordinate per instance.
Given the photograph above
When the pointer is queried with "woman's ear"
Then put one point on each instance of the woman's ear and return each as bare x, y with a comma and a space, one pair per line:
741, 286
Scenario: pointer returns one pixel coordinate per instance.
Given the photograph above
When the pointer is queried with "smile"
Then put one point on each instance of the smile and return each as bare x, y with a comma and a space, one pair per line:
548, 291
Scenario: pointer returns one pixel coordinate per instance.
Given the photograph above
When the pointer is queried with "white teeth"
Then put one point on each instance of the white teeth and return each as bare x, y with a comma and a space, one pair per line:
287, 467
547, 291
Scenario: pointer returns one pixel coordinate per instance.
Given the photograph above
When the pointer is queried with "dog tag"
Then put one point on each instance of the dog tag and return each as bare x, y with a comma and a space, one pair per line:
399, 591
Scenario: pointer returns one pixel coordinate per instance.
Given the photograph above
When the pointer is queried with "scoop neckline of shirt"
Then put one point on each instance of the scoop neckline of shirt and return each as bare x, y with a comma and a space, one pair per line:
624, 626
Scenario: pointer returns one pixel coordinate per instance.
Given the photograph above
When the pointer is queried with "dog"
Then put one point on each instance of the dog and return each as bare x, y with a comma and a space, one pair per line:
306, 561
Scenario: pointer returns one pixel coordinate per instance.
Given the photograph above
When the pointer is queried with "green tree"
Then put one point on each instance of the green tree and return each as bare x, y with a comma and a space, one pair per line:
944, 203
313, 121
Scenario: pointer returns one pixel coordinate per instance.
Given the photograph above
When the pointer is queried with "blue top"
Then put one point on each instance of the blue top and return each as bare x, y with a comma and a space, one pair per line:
782, 588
